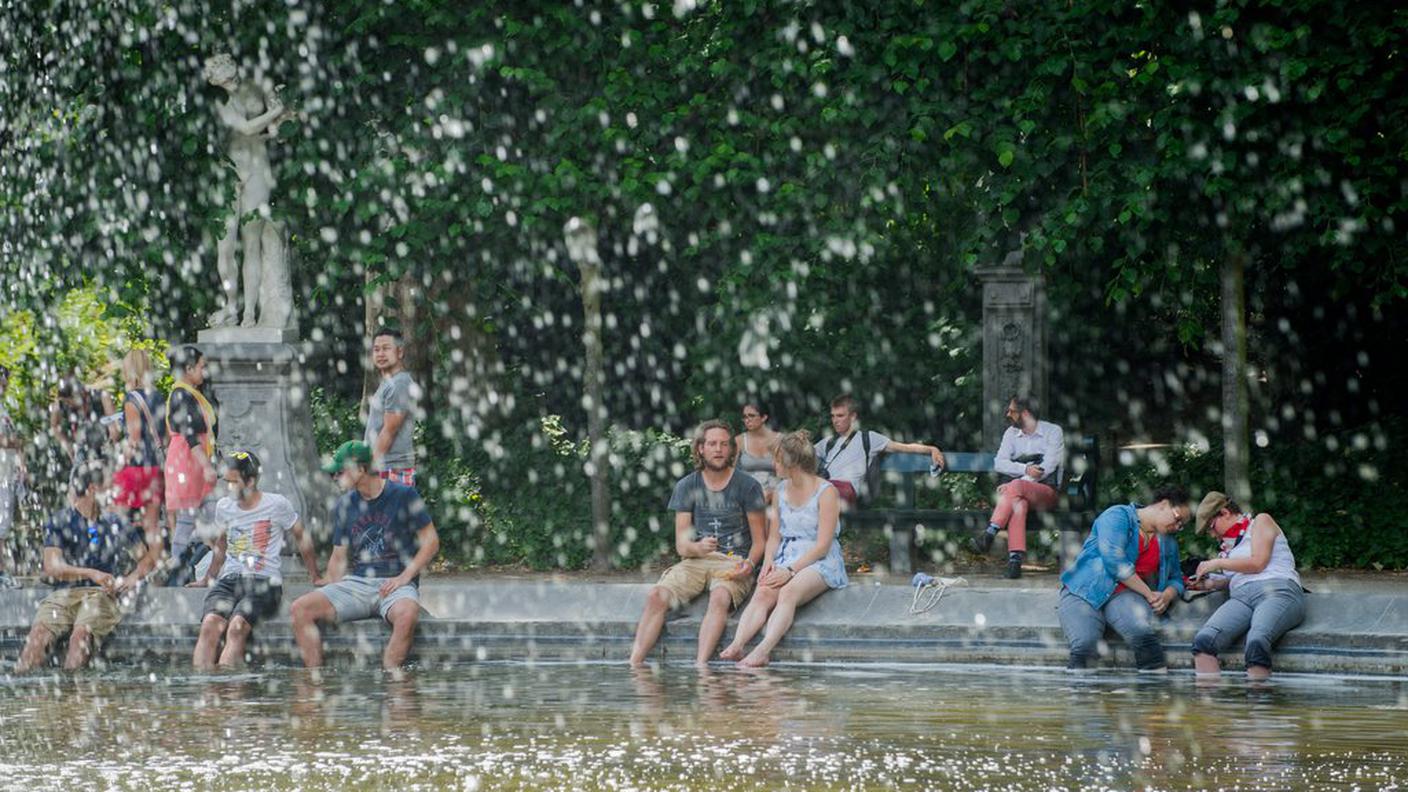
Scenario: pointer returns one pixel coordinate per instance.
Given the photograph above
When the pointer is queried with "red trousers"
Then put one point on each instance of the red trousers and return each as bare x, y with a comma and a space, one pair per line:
1014, 500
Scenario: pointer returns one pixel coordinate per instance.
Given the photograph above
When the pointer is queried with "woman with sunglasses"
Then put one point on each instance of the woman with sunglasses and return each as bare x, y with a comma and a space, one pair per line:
755, 446
1257, 568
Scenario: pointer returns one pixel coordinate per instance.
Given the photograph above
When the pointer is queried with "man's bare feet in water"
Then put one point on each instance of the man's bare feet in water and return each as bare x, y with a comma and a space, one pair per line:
731, 652
753, 660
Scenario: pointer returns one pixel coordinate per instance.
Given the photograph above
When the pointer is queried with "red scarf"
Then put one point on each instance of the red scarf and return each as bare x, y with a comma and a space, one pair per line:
1234, 535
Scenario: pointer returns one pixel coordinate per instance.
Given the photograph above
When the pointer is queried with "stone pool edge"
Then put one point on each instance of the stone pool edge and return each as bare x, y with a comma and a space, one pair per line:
1357, 628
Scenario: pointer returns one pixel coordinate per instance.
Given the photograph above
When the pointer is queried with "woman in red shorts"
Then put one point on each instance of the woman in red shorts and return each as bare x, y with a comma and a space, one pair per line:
140, 482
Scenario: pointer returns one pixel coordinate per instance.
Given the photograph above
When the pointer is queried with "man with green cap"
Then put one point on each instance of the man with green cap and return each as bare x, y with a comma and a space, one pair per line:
382, 529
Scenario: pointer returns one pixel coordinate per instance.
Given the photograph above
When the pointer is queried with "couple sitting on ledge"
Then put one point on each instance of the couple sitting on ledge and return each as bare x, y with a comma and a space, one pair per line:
732, 543
1128, 575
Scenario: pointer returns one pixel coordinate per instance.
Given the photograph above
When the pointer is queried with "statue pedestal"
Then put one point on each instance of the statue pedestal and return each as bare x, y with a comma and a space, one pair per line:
263, 390
247, 335
1014, 342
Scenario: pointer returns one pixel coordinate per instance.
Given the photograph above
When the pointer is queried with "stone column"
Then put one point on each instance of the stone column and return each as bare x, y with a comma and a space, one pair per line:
1014, 341
262, 382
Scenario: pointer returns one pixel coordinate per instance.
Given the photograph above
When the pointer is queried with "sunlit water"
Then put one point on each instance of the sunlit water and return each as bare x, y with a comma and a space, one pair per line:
493, 726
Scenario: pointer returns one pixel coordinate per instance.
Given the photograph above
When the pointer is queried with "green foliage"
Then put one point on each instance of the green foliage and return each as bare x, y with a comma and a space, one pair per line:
85, 332
527, 502
833, 170
335, 421
824, 178
542, 518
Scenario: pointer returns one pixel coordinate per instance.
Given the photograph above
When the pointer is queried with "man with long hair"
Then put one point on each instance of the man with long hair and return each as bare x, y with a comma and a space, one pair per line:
719, 524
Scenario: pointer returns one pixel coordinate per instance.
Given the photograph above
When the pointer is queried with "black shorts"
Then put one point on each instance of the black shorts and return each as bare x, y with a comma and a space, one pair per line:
249, 596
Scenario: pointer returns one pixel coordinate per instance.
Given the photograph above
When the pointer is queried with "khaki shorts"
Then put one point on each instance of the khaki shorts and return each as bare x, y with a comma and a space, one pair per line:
692, 576
88, 606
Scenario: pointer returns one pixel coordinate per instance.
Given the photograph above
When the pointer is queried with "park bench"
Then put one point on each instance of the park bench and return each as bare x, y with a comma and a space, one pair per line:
1072, 517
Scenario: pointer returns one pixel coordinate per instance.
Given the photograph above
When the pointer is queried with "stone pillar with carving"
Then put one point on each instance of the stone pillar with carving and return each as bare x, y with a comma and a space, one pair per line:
263, 383
1014, 341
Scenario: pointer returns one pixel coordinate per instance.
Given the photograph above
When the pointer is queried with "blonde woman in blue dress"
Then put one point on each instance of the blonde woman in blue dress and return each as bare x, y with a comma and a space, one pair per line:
803, 555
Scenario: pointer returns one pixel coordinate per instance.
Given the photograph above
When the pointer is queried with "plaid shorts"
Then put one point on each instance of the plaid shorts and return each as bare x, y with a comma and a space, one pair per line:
405, 476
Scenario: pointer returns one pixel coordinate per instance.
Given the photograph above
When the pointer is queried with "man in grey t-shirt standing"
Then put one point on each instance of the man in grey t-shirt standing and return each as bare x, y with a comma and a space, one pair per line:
719, 522
390, 414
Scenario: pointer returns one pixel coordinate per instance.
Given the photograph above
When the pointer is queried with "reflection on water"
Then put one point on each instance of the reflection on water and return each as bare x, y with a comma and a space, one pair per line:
570, 726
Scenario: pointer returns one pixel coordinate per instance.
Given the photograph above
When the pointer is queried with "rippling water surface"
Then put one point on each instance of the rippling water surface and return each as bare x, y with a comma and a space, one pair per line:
492, 726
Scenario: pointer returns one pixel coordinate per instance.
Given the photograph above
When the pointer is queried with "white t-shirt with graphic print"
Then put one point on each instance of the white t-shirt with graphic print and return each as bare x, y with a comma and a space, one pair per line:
255, 538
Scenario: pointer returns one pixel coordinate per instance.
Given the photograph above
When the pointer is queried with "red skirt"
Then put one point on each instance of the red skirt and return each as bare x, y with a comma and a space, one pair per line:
139, 486
186, 486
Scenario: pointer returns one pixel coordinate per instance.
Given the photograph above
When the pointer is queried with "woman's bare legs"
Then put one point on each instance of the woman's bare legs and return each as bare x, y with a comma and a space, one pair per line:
751, 621
803, 588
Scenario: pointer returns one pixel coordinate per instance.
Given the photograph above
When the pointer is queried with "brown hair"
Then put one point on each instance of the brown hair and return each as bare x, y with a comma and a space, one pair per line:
696, 448
1024, 404
796, 452
845, 400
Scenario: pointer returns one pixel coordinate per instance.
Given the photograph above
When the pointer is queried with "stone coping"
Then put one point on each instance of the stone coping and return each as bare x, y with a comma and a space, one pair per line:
1350, 626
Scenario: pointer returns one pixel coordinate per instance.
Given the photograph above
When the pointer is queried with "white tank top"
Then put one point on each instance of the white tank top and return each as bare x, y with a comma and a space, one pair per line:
1281, 565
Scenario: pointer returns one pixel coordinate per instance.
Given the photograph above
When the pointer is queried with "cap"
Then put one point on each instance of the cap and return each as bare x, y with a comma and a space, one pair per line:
1213, 504
350, 451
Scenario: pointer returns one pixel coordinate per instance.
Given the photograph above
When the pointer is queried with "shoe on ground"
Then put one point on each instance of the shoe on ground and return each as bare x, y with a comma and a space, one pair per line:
1014, 569
982, 542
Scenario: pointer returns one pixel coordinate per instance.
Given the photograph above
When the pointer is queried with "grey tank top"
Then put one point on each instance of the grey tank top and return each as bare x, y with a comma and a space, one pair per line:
752, 463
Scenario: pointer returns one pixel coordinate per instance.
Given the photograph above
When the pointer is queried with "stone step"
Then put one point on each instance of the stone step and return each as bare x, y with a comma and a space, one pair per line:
1354, 631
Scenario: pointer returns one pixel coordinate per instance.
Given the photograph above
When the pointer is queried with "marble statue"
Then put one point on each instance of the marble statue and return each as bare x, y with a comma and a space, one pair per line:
252, 116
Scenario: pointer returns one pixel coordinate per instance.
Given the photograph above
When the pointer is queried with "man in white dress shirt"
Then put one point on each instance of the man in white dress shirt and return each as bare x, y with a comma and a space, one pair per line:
1031, 461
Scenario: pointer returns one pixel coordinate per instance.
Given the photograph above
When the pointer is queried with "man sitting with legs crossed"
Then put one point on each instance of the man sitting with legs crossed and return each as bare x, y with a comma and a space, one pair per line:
1032, 458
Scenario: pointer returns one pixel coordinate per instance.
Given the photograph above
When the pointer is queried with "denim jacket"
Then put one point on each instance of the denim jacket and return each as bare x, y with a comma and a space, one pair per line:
1108, 557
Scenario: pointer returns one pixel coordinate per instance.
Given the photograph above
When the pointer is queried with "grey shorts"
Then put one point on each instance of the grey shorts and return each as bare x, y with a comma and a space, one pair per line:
357, 598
